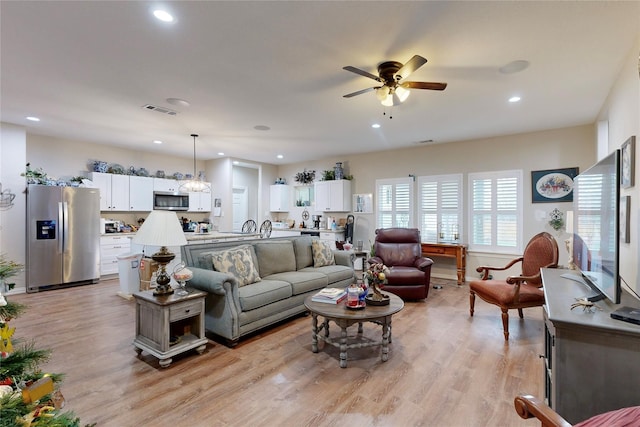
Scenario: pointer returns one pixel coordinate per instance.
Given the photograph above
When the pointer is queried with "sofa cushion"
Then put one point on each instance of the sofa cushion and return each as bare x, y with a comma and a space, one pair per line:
304, 254
334, 273
322, 253
302, 282
263, 293
275, 257
238, 262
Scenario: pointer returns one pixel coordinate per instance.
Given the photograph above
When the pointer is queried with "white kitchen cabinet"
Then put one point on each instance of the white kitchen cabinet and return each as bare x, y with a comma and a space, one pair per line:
110, 248
165, 184
114, 191
333, 196
279, 198
199, 202
140, 193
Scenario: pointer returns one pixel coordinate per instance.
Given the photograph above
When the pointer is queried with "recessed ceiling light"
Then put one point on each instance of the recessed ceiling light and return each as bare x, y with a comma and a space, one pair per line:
235, 162
280, 156
178, 101
514, 67
261, 127
33, 119
163, 15
514, 99
375, 125
221, 154
157, 141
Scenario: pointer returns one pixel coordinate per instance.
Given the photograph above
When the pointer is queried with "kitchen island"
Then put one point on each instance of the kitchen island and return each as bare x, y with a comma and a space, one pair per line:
217, 236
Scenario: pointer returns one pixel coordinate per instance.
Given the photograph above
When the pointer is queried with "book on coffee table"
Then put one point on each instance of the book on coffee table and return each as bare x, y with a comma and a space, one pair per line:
330, 295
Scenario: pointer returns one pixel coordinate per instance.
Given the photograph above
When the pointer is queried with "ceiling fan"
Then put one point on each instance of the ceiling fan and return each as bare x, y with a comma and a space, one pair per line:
394, 90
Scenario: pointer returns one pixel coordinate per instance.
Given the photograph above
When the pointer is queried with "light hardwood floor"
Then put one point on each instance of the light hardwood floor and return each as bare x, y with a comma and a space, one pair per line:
444, 368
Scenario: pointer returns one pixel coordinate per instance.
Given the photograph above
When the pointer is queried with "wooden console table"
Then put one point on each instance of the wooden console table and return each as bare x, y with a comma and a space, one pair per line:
449, 250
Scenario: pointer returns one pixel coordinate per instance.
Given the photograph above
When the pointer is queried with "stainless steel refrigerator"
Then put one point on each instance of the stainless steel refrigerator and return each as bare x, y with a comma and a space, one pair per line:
63, 236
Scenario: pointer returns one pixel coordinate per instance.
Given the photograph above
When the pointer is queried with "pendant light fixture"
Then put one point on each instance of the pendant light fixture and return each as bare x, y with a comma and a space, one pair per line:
196, 183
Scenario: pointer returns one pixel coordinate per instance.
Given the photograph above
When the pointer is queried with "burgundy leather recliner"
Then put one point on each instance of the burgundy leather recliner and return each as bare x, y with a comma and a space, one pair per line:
409, 272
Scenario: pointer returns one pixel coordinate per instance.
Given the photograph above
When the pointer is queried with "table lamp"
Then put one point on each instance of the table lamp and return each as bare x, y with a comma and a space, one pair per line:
161, 228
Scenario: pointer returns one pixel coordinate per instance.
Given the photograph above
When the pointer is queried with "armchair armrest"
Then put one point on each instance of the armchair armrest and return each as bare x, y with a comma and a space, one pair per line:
423, 263
344, 257
485, 270
529, 407
211, 281
375, 260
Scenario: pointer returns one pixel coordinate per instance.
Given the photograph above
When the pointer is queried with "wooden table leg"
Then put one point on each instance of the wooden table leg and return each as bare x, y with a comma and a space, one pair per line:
314, 332
343, 347
385, 341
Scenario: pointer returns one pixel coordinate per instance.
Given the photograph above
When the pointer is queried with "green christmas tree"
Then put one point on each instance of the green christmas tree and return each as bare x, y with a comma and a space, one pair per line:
21, 380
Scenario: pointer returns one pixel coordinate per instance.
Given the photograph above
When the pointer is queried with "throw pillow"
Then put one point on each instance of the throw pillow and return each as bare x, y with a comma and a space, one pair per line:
238, 262
322, 253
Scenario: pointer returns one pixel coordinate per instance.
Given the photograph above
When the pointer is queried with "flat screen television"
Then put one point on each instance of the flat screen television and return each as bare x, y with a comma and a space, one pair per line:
596, 225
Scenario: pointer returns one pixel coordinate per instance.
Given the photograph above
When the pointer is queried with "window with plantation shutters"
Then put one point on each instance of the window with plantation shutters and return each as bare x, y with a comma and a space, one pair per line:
592, 209
394, 202
495, 220
440, 208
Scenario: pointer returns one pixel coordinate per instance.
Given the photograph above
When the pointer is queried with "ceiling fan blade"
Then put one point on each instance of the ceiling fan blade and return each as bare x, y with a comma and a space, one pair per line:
360, 92
423, 85
361, 72
410, 66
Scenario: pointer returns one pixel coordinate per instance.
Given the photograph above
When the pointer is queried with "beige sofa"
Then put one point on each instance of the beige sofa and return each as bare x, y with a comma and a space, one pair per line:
287, 275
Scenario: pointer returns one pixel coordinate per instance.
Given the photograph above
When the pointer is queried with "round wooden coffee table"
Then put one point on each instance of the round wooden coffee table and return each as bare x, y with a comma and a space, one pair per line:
345, 317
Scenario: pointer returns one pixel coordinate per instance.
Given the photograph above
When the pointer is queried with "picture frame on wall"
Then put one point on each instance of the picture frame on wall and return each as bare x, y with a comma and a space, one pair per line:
553, 185
625, 214
628, 162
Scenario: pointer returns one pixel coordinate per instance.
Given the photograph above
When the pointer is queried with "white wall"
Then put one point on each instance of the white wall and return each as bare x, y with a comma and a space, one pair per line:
532, 151
12, 220
622, 112
559, 148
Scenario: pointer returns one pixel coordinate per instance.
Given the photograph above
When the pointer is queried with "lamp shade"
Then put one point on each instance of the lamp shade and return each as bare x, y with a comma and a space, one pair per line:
161, 228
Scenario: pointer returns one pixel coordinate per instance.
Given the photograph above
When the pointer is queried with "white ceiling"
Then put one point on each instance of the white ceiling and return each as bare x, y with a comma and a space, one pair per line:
86, 68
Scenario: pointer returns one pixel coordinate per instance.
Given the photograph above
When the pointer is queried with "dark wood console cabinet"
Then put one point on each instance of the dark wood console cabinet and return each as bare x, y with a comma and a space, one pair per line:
592, 362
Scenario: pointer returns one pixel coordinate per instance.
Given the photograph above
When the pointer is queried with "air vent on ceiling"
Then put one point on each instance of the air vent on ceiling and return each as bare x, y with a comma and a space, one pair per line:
424, 141
160, 109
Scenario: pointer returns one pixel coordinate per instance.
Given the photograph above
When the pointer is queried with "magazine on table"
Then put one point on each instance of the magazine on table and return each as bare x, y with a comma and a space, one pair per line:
330, 295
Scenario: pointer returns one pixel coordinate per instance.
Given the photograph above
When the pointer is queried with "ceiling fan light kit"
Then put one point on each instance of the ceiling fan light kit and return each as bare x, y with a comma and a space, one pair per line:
394, 90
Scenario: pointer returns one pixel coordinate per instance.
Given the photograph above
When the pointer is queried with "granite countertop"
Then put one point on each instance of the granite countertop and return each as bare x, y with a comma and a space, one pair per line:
218, 235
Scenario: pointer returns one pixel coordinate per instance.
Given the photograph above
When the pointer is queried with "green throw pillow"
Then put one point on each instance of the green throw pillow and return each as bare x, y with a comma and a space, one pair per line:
238, 262
322, 253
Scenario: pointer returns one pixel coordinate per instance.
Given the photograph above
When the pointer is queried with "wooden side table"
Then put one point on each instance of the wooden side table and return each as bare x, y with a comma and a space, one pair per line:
169, 325
449, 250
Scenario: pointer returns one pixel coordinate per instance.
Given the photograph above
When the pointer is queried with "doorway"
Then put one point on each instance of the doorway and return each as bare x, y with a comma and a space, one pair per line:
240, 207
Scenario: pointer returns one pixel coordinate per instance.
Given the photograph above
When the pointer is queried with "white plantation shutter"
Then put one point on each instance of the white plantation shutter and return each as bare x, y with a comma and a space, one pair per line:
394, 202
495, 222
590, 209
440, 207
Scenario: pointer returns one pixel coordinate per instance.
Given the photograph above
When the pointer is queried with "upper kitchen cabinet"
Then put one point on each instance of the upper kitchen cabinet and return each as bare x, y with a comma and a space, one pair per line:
279, 198
333, 196
165, 184
140, 193
199, 202
114, 191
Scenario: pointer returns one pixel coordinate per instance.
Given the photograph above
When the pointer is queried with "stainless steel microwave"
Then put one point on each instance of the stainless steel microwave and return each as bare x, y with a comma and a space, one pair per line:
168, 201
